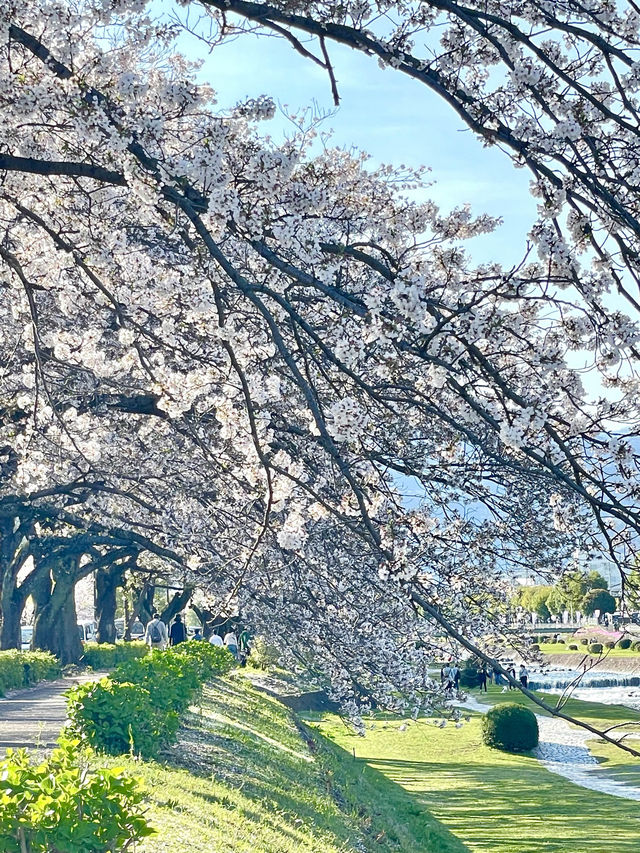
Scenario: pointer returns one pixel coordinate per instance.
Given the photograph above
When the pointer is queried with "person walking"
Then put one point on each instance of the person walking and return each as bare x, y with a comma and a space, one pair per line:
216, 640
511, 670
156, 636
197, 634
178, 633
482, 679
456, 676
231, 642
523, 675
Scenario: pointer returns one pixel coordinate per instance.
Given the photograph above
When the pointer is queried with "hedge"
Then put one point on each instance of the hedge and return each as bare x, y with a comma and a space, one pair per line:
136, 710
109, 655
22, 669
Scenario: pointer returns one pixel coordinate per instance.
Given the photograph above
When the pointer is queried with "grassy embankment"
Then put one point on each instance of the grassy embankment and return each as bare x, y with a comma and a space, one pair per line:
245, 777
496, 802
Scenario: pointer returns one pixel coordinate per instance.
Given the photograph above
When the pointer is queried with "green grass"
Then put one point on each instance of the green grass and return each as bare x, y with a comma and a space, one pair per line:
595, 713
244, 776
615, 762
494, 802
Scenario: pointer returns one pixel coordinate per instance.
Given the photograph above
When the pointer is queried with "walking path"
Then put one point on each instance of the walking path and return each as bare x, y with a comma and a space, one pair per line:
563, 749
34, 717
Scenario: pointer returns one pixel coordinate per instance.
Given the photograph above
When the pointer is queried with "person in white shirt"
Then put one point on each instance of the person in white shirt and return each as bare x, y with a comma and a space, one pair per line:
156, 636
231, 642
523, 675
216, 640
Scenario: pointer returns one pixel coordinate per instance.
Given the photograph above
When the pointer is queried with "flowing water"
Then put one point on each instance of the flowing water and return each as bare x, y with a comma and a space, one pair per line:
610, 688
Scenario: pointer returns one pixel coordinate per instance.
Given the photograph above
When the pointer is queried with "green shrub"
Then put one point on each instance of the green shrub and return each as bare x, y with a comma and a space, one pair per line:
636, 646
624, 643
609, 644
209, 660
108, 655
58, 805
584, 642
117, 718
21, 669
595, 648
171, 681
535, 647
546, 639
560, 641
510, 727
573, 647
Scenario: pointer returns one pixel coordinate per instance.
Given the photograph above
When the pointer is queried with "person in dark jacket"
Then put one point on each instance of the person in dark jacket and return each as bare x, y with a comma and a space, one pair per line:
178, 632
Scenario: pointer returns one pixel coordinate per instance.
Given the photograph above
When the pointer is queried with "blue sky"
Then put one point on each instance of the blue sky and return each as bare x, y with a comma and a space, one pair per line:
393, 118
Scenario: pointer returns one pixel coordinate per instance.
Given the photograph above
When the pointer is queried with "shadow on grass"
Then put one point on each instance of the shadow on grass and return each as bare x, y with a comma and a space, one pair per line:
507, 809
249, 742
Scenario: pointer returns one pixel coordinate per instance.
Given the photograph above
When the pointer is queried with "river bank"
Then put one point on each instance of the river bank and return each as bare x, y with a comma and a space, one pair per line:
607, 663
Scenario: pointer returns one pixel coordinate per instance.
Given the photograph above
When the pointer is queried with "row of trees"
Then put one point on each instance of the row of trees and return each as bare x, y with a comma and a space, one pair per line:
576, 590
230, 356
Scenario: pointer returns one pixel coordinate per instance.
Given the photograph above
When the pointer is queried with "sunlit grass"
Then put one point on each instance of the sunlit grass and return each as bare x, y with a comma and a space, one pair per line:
245, 778
493, 801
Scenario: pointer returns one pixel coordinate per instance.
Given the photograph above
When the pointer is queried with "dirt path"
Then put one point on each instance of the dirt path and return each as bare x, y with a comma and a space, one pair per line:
34, 717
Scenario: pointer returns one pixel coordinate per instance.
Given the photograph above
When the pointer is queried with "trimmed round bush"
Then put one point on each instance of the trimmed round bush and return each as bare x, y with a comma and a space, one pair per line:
510, 727
595, 648
636, 646
609, 644
624, 643
573, 647
545, 639
584, 642
560, 642
535, 647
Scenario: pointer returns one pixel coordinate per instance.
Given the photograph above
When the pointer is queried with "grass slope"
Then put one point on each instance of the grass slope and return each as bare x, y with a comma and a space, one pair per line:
245, 777
494, 802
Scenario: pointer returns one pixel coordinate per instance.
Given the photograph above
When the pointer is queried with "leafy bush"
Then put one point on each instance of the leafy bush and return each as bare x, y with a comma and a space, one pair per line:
573, 647
545, 639
636, 646
21, 669
510, 727
624, 643
117, 718
560, 641
136, 709
108, 655
535, 647
595, 648
209, 660
609, 644
57, 805
170, 680
584, 642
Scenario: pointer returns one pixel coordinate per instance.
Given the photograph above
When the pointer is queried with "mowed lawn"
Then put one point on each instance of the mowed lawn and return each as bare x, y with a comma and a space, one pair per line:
493, 802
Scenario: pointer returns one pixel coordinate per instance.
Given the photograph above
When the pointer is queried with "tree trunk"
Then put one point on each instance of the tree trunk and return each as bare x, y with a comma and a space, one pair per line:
12, 557
56, 623
107, 582
177, 604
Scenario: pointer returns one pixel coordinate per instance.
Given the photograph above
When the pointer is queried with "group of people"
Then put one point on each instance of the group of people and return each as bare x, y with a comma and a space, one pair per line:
157, 636
523, 675
450, 676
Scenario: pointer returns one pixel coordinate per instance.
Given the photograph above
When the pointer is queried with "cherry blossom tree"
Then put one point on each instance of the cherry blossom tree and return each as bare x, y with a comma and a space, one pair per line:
236, 355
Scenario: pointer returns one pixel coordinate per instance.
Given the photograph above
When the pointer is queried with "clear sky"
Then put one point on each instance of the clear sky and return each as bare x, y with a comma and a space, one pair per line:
393, 118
